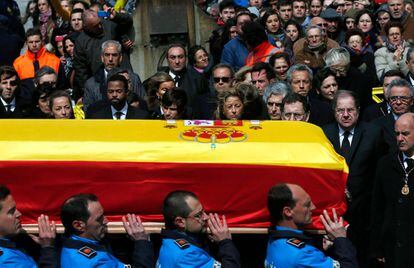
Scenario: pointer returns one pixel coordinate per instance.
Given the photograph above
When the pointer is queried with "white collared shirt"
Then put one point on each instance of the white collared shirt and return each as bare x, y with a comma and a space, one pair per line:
12, 104
405, 162
124, 111
173, 75
341, 135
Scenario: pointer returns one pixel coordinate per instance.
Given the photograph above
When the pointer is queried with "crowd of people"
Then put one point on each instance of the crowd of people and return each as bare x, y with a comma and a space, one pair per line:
314, 61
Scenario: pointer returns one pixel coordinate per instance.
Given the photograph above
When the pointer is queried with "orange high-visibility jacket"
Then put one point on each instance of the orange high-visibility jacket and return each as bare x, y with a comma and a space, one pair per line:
24, 64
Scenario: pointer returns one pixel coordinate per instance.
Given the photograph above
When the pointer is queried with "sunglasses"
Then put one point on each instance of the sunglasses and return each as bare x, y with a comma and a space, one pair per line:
225, 79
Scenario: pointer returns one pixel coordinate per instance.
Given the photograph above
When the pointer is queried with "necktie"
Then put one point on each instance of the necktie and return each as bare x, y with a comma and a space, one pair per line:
177, 80
118, 115
8, 108
36, 64
410, 164
346, 146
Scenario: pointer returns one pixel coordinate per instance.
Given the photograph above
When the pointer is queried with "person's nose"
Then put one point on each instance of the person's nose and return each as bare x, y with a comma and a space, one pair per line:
233, 110
302, 84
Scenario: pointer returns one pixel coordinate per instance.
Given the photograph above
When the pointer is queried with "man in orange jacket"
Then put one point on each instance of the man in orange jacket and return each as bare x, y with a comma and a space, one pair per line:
35, 58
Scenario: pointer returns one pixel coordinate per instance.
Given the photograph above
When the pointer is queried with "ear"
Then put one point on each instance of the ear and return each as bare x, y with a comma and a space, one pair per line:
79, 226
179, 222
287, 212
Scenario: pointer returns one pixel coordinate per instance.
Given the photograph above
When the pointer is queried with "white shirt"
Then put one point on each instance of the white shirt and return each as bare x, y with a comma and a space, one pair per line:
12, 104
405, 162
341, 135
173, 75
124, 111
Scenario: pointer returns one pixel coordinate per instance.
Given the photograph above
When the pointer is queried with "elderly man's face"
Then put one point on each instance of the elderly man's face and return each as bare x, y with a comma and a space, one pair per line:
396, 8
400, 99
314, 37
301, 83
222, 79
410, 64
274, 103
404, 130
346, 112
111, 57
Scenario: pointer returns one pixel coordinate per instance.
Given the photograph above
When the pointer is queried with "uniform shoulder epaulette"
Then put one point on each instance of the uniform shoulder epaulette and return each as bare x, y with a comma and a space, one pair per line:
87, 252
295, 242
181, 243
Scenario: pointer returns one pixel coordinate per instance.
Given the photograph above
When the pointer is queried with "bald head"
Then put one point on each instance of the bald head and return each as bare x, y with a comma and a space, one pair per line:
92, 23
404, 131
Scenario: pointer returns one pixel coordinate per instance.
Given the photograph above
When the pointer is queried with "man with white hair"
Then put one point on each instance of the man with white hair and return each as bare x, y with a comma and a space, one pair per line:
349, 77
273, 96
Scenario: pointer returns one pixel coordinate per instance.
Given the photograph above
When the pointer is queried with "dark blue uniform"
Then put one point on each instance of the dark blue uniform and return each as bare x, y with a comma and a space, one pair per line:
82, 252
181, 250
291, 248
13, 257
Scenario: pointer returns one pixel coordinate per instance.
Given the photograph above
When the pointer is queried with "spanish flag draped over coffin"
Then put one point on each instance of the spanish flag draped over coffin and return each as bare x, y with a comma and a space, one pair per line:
131, 165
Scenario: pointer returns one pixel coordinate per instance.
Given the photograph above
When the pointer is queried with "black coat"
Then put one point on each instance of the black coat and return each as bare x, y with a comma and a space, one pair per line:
320, 113
392, 214
193, 83
387, 126
20, 111
104, 112
375, 111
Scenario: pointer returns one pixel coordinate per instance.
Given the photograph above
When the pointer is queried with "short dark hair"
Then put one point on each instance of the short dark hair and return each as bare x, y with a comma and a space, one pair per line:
175, 96
76, 208
226, 4
192, 53
175, 45
278, 197
293, 98
76, 10
9, 71
253, 34
320, 76
223, 65
4, 193
175, 205
279, 55
393, 73
118, 77
33, 31
353, 32
270, 72
284, 3
392, 24
345, 93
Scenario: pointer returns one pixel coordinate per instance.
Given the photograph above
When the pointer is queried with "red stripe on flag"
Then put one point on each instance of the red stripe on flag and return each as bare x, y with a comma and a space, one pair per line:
237, 190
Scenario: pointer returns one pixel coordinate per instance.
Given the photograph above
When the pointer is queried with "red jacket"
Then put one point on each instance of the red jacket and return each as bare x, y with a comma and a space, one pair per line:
261, 53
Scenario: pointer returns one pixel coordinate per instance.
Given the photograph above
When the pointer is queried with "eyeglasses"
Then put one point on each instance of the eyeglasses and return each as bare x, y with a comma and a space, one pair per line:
296, 116
343, 110
399, 98
224, 79
322, 24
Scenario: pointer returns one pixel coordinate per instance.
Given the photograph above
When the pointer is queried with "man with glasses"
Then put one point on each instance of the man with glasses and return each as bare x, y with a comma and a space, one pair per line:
361, 145
184, 238
295, 108
206, 104
400, 98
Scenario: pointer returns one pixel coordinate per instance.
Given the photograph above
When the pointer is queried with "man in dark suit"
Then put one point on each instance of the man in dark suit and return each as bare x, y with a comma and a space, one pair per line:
116, 107
377, 110
361, 145
188, 79
10, 105
300, 78
393, 203
400, 97
410, 65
